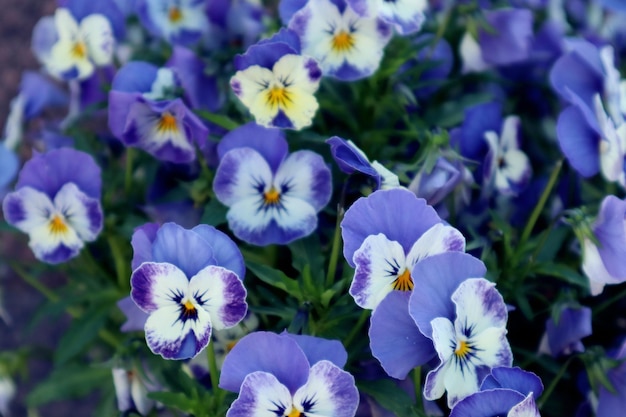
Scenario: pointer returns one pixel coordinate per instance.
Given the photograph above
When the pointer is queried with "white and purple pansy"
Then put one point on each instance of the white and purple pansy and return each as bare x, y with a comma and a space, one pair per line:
385, 249
347, 46
603, 264
57, 203
407, 16
273, 196
71, 50
144, 113
288, 375
181, 22
469, 342
506, 166
509, 392
189, 282
276, 83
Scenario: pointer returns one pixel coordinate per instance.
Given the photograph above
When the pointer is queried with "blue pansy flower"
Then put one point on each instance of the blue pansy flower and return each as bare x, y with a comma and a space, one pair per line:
189, 282
273, 196
407, 16
57, 203
288, 375
563, 332
181, 22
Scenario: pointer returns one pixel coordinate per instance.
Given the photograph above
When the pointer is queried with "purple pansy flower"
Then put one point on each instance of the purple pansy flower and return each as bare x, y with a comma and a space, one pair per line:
235, 22
288, 375
71, 50
347, 46
276, 83
181, 22
135, 317
563, 333
273, 196
110, 9
612, 404
351, 159
604, 263
407, 16
57, 203
189, 282
465, 316
131, 389
506, 391
384, 249
143, 113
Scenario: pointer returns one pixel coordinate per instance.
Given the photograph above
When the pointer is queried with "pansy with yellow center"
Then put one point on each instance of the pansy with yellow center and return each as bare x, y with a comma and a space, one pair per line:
407, 16
347, 45
57, 203
273, 197
78, 47
181, 22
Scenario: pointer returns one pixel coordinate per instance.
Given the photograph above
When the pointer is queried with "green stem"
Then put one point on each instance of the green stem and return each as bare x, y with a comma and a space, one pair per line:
214, 374
334, 255
128, 175
357, 328
417, 385
547, 392
121, 270
607, 303
540, 205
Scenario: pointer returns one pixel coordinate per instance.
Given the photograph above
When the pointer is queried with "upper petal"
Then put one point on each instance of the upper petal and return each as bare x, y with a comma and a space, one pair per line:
97, 33
479, 306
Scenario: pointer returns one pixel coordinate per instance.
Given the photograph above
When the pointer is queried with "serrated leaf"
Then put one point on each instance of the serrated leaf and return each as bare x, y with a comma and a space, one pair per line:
275, 278
82, 331
69, 382
388, 395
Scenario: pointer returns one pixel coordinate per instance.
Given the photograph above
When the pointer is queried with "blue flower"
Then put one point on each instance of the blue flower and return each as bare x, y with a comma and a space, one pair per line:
190, 283
407, 16
273, 196
181, 22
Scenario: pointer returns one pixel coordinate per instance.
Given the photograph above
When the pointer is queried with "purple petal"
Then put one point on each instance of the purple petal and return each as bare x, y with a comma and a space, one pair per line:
266, 54
395, 340
135, 317
183, 248
156, 285
316, 349
439, 276
119, 107
348, 159
515, 378
487, 403
225, 251
368, 216
270, 143
261, 394
511, 42
573, 325
9, 164
264, 351
609, 229
578, 141
108, 8
50, 171
141, 241
135, 77
40, 93
287, 8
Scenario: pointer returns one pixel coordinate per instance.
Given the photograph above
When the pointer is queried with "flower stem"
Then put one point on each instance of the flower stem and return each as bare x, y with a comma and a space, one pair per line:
357, 328
214, 374
417, 385
128, 175
334, 254
123, 277
548, 391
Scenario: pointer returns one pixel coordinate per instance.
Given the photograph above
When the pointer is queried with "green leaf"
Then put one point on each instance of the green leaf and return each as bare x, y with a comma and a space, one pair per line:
388, 395
275, 278
69, 382
176, 400
214, 213
220, 120
562, 272
308, 252
81, 332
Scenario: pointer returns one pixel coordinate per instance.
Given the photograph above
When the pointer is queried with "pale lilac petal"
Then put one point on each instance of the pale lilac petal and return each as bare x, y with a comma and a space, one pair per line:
96, 30
434, 386
225, 251
135, 317
329, 391
156, 285
378, 262
479, 305
83, 213
221, 293
395, 339
316, 349
141, 241
261, 395
242, 173
304, 175
438, 239
444, 338
527, 408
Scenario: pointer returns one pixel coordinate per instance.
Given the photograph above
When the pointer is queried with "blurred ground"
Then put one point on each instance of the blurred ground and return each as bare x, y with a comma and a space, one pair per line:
17, 19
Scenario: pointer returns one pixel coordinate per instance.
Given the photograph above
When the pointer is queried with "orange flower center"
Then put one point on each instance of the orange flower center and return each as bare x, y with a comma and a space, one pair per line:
294, 413
167, 123
174, 14
342, 42
278, 97
271, 197
404, 282
57, 225
79, 50
462, 349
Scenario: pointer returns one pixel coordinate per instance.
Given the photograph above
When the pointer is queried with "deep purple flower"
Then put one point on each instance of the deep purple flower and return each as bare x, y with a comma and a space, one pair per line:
512, 38
189, 282
57, 203
288, 375
273, 196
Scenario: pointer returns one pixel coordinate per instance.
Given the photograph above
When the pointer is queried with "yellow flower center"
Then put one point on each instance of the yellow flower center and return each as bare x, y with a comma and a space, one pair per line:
342, 42
174, 14
294, 413
404, 282
271, 197
79, 50
278, 97
167, 123
230, 345
462, 349
57, 225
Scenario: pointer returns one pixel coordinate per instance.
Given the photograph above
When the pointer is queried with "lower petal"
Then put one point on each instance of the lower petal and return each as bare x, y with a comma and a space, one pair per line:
434, 386
261, 395
329, 391
82, 212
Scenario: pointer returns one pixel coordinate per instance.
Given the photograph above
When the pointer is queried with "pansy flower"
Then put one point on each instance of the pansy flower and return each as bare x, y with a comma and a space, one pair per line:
235, 23
407, 16
57, 203
276, 83
9, 165
467, 327
181, 22
509, 392
563, 332
189, 282
347, 46
131, 390
385, 249
604, 263
145, 113
273, 196
71, 50
288, 375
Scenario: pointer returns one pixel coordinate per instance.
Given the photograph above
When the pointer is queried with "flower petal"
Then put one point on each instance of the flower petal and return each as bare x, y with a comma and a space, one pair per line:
96, 30
438, 239
526, 408
305, 176
317, 349
83, 213
479, 306
329, 391
487, 403
261, 395
157, 285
